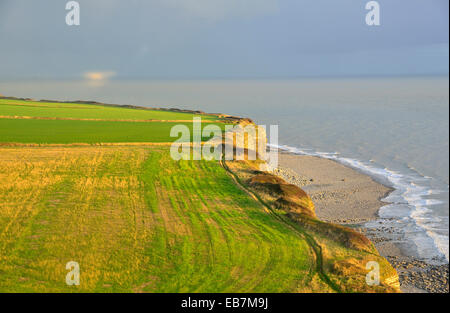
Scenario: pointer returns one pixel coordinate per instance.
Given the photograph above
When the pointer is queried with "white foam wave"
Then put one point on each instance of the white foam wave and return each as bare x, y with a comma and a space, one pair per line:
411, 190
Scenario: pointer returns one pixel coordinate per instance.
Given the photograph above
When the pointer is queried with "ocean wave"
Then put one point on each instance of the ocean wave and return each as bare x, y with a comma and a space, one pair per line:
410, 201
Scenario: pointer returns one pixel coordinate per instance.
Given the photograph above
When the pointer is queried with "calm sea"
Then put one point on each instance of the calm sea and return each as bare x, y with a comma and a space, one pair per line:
394, 129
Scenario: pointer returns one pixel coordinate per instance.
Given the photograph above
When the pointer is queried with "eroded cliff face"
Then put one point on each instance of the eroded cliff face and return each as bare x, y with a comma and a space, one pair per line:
289, 198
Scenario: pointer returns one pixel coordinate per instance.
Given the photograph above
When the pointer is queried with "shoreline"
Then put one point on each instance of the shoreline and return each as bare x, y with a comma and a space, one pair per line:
346, 196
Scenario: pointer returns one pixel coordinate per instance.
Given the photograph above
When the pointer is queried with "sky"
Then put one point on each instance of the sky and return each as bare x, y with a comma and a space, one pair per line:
211, 39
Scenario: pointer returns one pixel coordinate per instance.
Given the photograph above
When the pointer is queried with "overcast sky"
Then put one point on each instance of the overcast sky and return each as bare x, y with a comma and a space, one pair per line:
222, 39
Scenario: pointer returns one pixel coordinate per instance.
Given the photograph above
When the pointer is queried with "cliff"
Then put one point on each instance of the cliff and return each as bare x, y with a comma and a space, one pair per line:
344, 252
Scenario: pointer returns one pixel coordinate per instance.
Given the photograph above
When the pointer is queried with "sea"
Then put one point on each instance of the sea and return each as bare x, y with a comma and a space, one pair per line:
395, 129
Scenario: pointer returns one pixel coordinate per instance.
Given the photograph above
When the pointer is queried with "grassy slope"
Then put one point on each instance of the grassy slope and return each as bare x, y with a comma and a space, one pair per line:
135, 220
342, 253
86, 111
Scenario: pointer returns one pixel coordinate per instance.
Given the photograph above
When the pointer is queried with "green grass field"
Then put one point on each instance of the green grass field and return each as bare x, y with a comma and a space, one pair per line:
75, 131
86, 111
137, 221
78, 130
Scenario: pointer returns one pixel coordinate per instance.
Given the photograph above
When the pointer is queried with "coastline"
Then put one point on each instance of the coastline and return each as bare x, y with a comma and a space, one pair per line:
343, 195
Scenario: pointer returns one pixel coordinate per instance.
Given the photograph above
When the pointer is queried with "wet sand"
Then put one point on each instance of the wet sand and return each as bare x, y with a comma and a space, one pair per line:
345, 196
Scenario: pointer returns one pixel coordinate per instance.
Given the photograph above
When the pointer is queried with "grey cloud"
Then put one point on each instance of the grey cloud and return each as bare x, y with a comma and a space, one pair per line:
222, 38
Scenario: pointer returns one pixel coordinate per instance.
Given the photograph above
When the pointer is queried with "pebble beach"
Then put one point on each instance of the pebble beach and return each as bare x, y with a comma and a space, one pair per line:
343, 195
